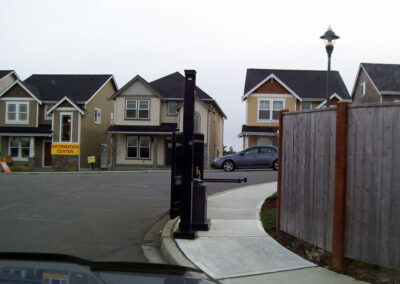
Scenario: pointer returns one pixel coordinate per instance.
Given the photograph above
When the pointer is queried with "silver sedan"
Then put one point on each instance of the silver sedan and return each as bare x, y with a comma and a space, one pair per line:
253, 157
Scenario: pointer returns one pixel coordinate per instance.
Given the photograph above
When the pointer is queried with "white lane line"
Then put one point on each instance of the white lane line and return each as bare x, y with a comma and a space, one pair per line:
8, 206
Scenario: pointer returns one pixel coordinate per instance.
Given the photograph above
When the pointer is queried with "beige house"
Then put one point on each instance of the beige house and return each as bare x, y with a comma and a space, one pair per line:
377, 83
56, 121
146, 116
268, 91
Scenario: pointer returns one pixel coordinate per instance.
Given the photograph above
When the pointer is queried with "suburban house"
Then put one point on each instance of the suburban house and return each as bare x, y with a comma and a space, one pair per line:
146, 115
377, 83
267, 91
56, 120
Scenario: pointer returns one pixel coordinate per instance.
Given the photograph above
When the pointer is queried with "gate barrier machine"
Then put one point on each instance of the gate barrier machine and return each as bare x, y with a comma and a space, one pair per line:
188, 187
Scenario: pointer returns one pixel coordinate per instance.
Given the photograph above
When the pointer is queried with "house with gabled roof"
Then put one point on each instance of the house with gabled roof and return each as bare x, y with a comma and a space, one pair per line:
56, 121
146, 115
267, 91
377, 83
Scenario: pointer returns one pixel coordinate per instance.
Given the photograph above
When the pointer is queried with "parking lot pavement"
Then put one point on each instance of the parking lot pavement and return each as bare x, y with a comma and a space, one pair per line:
95, 216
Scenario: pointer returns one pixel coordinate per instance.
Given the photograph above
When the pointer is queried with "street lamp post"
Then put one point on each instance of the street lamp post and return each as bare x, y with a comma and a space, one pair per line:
329, 37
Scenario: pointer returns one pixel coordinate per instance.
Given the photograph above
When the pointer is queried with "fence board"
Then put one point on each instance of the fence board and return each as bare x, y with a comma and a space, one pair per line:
373, 181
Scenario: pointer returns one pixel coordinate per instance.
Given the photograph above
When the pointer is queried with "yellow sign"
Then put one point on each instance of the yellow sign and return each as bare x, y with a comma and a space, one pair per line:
64, 149
91, 159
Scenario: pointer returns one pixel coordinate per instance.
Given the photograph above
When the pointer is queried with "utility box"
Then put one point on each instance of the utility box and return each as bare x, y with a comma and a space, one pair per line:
199, 214
177, 168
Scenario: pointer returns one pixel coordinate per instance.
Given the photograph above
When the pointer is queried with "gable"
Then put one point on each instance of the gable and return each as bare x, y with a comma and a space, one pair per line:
138, 88
271, 87
16, 92
65, 104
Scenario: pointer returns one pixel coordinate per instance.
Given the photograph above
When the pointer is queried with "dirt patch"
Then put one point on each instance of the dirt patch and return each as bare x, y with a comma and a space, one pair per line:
356, 269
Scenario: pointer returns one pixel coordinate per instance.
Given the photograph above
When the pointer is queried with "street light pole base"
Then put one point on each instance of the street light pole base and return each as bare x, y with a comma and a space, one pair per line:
191, 235
202, 226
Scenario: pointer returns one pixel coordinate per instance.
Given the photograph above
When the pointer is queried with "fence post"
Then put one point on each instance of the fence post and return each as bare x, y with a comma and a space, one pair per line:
278, 194
339, 213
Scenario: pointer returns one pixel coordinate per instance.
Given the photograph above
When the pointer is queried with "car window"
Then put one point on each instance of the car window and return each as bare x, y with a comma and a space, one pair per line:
267, 150
251, 151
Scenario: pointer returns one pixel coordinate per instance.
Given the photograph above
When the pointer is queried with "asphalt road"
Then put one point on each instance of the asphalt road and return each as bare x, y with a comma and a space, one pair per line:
94, 216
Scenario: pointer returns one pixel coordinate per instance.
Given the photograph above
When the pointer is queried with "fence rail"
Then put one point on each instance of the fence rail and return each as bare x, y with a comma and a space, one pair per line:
372, 194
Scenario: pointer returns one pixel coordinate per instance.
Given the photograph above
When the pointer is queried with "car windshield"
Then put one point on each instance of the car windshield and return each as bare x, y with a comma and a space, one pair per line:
209, 135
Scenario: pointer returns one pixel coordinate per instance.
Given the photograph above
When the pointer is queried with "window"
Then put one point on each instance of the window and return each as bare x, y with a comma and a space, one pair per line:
278, 106
306, 106
138, 147
131, 109
252, 151
196, 119
65, 127
112, 118
269, 109
267, 150
144, 109
132, 146
19, 148
46, 109
17, 112
137, 109
172, 108
97, 115
264, 110
362, 89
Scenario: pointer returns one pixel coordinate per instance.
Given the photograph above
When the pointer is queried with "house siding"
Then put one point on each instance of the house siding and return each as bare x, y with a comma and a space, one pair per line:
121, 158
252, 111
6, 82
41, 116
271, 87
32, 115
165, 118
93, 134
371, 94
155, 104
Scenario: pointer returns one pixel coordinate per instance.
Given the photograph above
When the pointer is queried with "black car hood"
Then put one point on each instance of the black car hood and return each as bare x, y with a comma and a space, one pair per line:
35, 267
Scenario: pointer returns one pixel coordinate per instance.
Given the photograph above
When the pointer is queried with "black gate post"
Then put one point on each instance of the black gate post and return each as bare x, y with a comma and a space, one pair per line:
185, 226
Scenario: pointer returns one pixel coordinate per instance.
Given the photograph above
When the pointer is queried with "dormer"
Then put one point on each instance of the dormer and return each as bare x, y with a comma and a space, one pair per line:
137, 103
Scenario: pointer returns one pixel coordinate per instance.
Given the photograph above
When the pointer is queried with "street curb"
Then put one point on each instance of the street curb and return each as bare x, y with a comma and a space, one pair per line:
94, 172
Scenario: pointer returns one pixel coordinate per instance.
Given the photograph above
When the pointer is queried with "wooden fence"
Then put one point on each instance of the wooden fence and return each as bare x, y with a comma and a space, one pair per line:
310, 196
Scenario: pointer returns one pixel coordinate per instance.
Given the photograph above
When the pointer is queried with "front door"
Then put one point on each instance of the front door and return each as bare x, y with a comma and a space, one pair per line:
47, 153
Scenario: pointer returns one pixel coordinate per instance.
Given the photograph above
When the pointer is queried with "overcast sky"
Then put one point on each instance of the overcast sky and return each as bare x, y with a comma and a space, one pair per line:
219, 39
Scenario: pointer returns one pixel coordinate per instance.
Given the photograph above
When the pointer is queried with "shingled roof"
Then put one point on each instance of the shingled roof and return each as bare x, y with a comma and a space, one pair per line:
55, 87
386, 77
4, 73
173, 87
307, 84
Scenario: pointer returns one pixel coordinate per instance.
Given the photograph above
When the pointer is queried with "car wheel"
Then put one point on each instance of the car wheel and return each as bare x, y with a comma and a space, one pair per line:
275, 165
228, 166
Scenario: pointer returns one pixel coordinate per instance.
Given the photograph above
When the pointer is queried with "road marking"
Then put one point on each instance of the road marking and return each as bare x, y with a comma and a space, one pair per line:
8, 206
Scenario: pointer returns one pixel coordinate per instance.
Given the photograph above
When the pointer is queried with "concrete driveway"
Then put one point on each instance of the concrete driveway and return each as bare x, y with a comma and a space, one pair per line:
95, 216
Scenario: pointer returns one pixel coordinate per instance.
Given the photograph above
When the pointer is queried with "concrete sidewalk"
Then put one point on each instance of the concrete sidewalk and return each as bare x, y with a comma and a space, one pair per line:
238, 250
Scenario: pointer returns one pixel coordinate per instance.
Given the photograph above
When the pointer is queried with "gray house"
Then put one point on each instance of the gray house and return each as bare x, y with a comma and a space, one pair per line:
377, 83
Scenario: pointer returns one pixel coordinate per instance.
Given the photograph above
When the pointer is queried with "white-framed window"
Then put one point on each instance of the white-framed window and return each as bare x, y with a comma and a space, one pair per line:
144, 109
19, 148
305, 105
65, 127
197, 120
268, 109
137, 109
362, 89
171, 108
17, 112
46, 109
97, 115
138, 147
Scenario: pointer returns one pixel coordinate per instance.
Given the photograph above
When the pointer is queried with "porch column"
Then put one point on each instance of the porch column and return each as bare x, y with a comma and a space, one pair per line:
155, 145
32, 148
